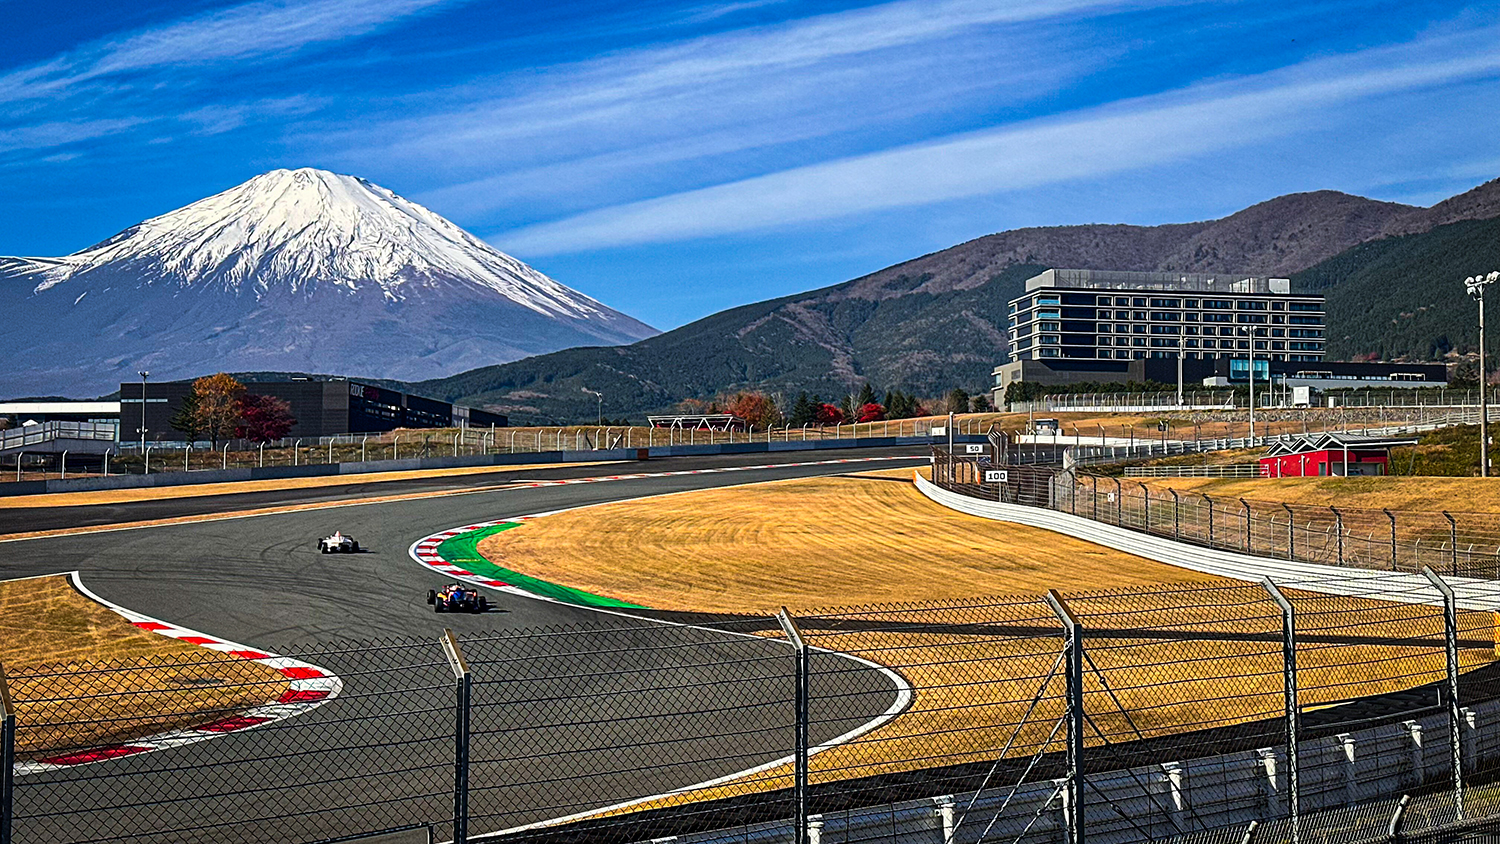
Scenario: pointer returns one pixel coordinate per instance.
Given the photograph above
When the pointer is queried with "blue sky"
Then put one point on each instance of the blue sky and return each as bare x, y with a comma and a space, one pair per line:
677, 158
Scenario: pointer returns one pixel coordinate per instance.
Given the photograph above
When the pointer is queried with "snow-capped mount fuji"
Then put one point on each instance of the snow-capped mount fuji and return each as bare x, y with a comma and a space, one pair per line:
294, 270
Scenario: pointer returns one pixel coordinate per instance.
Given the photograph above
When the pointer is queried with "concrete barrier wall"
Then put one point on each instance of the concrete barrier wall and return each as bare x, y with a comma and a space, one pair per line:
216, 476
1402, 587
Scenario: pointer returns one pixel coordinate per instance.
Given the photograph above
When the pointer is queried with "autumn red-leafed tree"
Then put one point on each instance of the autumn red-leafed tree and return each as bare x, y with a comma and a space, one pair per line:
757, 409
830, 414
264, 418
871, 412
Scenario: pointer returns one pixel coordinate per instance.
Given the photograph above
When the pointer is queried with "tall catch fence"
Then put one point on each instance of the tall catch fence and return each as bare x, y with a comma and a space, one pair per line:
1199, 399
1203, 711
130, 457
1454, 542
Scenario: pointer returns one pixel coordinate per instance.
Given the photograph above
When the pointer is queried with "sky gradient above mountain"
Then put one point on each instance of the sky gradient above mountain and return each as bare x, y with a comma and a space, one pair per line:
674, 158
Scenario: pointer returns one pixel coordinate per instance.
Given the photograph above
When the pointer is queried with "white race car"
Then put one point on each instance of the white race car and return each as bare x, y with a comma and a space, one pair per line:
338, 544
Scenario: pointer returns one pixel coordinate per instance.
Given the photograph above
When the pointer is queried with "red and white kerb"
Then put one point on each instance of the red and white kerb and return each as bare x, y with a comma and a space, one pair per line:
308, 687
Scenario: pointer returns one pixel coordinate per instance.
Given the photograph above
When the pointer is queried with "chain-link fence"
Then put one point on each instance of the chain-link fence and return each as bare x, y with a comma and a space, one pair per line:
154, 458
1457, 543
1185, 711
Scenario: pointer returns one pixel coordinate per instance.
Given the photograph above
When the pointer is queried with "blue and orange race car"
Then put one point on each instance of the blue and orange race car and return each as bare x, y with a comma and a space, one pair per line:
455, 597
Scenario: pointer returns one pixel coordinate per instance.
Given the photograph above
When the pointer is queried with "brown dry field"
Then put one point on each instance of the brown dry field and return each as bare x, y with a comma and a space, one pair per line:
972, 690
852, 539
1428, 494
120, 496
82, 676
973, 686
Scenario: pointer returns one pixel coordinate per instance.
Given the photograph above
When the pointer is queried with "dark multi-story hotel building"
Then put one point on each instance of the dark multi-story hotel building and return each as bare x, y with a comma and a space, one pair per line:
1109, 315
1108, 325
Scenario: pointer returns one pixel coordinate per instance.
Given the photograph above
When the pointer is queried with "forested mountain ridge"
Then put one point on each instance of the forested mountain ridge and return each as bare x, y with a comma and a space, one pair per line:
938, 321
1404, 297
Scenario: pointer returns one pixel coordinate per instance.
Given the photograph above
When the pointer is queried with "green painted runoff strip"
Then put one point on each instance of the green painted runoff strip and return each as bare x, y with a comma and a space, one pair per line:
463, 551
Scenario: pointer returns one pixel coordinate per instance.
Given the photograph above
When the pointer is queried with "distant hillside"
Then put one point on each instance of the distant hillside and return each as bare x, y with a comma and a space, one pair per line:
938, 321
1403, 297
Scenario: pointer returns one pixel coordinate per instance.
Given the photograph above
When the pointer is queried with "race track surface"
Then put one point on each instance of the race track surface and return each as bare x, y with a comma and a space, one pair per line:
260, 581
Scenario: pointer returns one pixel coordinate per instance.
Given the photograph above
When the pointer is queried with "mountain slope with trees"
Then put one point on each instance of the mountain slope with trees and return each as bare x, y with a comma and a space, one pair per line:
1403, 297
939, 321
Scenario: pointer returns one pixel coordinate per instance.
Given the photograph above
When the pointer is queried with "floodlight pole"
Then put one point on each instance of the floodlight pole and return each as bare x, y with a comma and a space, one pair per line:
144, 374
1179, 370
1252, 387
1476, 285
600, 397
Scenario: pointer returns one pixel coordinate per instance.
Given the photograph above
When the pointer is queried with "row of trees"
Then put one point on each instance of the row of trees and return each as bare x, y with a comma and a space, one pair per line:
764, 411
220, 408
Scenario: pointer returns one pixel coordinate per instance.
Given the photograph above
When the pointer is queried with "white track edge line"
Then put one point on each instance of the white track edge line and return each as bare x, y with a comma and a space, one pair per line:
272, 711
904, 691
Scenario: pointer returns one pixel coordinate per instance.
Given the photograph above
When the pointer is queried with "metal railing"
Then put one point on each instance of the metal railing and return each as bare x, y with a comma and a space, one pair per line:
1227, 470
1269, 398
30, 435
158, 457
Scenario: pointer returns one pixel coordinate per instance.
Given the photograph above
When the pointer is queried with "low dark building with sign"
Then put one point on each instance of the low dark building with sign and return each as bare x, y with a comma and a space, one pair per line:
322, 409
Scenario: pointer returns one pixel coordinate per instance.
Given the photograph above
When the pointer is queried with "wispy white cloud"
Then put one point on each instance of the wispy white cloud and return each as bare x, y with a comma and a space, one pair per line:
731, 92
59, 133
224, 117
1124, 136
248, 31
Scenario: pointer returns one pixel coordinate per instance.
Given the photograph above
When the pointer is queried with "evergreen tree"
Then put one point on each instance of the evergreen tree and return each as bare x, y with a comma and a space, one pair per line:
958, 401
866, 396
803, 411
186, 418
899, 405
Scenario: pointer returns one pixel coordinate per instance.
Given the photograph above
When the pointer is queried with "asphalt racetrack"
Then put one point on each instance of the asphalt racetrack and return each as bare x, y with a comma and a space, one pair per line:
260, 581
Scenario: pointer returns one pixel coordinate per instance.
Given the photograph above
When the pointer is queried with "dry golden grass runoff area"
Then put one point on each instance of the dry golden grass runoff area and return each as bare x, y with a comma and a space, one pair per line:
1427, 494
972, 689
81, 676
1208, 653
855, 539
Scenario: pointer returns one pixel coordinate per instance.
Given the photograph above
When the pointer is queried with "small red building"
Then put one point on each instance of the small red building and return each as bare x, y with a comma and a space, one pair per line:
1329, 455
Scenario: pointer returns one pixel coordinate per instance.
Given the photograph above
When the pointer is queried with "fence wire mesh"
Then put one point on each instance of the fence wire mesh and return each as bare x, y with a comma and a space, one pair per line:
926, 724
1459, 544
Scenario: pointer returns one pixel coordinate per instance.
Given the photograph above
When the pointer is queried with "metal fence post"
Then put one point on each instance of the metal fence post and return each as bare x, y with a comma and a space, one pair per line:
1210, 503
7, 758
1293, 713
1392, 517
1073, 665
800, 695
1455, 718
1176, 515
1453, 541
462, 687
1338, 521
1291, 533
1246, 505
